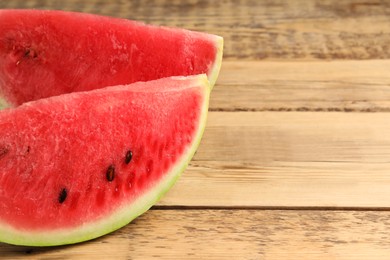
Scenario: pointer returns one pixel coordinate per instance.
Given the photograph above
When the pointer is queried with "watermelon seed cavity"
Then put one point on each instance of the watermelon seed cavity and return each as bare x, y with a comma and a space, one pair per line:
30, 54
3, 151
128, 157
63, 195
110, 174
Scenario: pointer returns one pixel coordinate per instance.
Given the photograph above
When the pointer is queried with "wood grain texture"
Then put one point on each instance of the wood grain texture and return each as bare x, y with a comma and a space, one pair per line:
346, 86
280, 136
239, 234
289, 159
253, 30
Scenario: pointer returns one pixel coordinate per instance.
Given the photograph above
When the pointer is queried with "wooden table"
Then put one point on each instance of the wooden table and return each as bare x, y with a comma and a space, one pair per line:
295, 160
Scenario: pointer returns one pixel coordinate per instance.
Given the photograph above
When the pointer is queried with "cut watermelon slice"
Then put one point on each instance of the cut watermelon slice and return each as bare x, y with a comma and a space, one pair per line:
77, 166
48, 53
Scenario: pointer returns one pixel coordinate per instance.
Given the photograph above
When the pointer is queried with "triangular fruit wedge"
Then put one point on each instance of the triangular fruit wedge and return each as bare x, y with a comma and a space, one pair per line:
76, 166
47, 53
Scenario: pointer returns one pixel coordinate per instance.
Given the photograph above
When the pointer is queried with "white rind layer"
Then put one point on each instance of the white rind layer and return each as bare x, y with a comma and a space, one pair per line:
214, 72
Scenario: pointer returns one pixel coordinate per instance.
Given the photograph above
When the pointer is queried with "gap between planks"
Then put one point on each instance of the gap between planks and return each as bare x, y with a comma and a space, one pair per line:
270, 208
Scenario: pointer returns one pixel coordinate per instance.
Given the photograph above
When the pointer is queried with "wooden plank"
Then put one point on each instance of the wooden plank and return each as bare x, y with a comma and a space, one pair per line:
228, 234
356, 86
289, 159
318, 29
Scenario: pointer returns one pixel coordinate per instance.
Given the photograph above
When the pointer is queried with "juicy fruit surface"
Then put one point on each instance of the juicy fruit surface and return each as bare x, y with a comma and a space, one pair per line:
47, 53
69, 160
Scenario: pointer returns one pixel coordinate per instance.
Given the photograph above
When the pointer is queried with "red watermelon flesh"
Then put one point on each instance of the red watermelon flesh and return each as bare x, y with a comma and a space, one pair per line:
77, 166
48, 53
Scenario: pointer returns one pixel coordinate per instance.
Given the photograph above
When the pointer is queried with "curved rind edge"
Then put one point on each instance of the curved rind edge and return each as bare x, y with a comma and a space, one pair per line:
124, 215
214, 72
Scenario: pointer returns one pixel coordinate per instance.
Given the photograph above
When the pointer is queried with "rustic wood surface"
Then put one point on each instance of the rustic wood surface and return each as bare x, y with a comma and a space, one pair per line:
295, 160
233, 234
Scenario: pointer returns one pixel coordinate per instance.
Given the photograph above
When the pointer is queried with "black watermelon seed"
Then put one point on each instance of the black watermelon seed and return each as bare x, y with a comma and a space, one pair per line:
128, 157
63, 195
110, 174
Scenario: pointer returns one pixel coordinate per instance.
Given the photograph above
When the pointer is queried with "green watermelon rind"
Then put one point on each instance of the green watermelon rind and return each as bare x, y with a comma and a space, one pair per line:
122, 216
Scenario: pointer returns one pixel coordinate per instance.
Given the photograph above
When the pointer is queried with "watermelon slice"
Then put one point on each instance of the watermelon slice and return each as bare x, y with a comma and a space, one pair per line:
76, 166
48, 53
